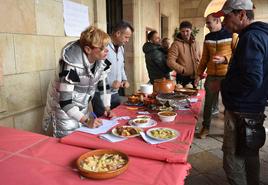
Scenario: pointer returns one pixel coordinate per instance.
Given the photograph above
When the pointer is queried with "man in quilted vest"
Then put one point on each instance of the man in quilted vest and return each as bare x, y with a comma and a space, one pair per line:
216, 55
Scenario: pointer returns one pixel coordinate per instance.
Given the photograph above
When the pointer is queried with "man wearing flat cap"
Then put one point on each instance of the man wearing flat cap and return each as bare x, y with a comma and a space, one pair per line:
244, 93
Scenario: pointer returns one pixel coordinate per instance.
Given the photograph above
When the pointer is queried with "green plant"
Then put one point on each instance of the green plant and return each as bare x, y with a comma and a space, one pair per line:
176, 32
195, 31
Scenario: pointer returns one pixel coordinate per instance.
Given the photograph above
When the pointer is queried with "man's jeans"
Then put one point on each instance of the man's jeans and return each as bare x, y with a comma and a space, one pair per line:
97, 104
212, 85
239, 170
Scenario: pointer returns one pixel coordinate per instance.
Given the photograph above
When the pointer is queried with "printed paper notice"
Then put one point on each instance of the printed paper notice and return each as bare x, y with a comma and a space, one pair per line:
75, 18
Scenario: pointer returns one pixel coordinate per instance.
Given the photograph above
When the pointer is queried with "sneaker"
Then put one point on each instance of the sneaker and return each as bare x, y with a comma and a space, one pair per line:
203, 133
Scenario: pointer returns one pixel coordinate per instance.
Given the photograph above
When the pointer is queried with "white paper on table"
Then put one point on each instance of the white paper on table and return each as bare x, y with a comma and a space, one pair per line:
193, 100
75, 17
106, 125
111, 138
184, 108
121, 118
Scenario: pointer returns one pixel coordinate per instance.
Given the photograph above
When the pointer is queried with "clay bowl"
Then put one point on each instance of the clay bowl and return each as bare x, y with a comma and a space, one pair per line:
164, 86
101, 175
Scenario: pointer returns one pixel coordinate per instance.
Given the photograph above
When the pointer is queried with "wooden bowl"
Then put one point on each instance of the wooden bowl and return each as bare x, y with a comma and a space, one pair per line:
164, 86
101, 175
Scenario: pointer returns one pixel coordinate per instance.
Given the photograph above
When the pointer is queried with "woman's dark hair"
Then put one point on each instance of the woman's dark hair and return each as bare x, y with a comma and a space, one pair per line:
249, 13
151, 34
122, 25
186, 24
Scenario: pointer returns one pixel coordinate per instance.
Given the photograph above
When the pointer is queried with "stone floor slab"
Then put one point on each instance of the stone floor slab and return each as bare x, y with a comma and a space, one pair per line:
193, 172
208, 143
218, 177
198, 180
205, 162
217, 152
195, 149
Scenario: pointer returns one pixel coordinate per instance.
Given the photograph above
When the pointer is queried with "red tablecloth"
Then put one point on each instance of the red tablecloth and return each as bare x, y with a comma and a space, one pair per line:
174, 152
30, 159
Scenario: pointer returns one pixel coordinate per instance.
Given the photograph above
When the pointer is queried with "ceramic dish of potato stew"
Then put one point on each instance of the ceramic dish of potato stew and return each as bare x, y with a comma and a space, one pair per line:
162, 134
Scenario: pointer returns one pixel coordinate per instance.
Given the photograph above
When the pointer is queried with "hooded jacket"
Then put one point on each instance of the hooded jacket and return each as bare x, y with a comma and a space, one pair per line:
184, 57
245, 88
71, 90
156, 61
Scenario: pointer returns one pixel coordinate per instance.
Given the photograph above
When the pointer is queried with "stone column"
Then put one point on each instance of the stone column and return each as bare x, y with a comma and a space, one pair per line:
100, 14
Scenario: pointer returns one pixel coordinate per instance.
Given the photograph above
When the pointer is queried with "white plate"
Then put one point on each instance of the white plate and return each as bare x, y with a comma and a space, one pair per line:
151, 123
114, 132
148, 132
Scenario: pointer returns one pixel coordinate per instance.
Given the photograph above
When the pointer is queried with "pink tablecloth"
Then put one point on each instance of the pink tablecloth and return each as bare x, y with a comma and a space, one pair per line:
173, 152
30, 159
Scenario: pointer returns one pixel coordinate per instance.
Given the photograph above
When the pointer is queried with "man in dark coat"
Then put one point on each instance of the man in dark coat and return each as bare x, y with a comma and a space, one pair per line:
155, 58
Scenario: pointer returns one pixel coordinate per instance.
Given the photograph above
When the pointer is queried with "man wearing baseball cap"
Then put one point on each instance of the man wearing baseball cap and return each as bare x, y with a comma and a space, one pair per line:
244, 93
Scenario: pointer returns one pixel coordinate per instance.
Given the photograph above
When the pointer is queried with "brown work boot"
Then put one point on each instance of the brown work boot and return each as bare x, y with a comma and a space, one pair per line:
203, 133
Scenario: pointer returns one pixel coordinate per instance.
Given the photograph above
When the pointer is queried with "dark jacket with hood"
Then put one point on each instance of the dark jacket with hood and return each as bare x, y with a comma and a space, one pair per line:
184, 56
156, 59
245, 87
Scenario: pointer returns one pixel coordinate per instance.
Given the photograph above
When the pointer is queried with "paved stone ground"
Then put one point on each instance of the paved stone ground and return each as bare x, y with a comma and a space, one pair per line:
206, 156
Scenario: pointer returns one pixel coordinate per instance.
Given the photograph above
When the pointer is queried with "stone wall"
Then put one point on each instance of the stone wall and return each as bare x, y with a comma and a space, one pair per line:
31, 38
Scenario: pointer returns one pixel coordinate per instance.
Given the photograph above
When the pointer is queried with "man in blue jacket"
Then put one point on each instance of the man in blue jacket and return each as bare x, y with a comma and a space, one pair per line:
244, 93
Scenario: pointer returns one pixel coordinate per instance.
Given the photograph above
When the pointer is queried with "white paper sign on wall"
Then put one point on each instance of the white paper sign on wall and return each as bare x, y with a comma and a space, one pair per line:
75, 18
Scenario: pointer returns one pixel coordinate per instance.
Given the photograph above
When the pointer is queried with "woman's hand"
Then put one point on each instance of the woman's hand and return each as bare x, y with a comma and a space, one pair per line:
93, 122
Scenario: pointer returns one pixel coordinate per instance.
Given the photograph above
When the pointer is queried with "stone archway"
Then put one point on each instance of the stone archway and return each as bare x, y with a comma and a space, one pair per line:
213, 6
195, 12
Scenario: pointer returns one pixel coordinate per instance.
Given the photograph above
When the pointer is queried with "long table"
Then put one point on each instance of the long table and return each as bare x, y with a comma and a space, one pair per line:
27, 159
175, 151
